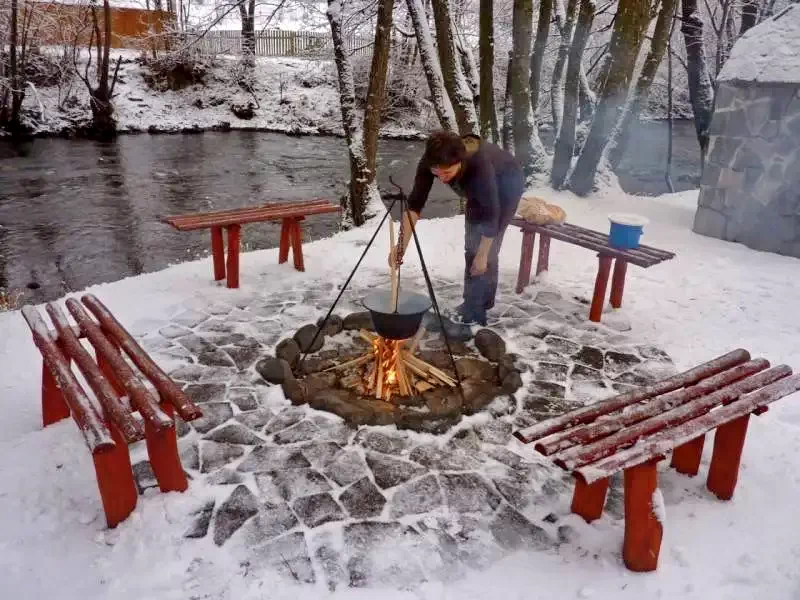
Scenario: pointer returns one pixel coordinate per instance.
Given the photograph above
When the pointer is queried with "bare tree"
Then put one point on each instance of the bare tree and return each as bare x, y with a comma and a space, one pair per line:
539, 47
508, 108
376, 92
247, 12
565, 143
701, 89
630, 25
488, 112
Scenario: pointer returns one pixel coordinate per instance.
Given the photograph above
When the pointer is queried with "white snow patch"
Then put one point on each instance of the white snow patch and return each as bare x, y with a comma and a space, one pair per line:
659, 509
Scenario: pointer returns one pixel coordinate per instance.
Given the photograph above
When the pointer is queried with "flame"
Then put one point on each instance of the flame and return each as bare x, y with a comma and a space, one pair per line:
391, 378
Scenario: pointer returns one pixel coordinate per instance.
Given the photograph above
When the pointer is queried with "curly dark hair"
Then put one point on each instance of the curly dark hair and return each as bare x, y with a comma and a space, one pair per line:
444, 149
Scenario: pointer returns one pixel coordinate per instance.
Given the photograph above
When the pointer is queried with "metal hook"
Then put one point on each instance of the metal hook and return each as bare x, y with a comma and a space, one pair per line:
402, 193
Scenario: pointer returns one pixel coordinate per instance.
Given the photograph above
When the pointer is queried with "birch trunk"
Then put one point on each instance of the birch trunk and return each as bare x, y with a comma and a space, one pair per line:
508, 109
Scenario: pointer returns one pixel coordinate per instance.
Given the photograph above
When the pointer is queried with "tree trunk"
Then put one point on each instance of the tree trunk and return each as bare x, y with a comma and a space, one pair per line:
701, 89
17, 91
247, 14
470, 71
100, 97
488, 112
750, 11
376, 93
629, 29
508, 109
527, 145
565, 143
430, 65
565, 22
539, 47
655, 55
454, 81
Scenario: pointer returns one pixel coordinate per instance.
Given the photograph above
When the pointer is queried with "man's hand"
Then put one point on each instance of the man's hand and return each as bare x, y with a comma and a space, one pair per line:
479, 264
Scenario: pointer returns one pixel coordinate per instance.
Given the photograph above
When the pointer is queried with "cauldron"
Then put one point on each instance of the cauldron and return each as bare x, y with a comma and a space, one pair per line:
399, 325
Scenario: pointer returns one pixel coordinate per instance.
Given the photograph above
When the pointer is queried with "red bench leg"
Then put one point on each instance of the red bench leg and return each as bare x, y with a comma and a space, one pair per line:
588, 500
600, 285
728, 446
643, 530
54, 407
543, 264
162, 450
233, 255
115, 480
297, 245
525, 260
618, 282
686, 458
218, 251
286, 231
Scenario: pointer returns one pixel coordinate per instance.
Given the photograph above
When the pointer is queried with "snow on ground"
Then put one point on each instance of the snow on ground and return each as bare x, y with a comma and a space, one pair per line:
713, 297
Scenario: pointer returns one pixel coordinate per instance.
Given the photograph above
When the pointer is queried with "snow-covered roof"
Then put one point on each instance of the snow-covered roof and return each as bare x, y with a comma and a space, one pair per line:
769, 52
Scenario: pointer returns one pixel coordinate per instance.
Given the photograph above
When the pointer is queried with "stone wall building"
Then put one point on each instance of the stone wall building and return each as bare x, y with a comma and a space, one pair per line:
750, 191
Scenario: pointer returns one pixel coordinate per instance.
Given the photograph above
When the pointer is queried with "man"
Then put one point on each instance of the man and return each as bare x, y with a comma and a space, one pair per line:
492, 182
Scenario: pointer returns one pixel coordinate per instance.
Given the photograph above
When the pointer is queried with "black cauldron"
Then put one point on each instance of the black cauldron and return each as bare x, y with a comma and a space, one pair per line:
404, 323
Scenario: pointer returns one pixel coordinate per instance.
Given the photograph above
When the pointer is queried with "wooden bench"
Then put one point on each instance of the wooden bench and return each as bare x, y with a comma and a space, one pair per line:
632, 432
643, 256
108, 427
290, 213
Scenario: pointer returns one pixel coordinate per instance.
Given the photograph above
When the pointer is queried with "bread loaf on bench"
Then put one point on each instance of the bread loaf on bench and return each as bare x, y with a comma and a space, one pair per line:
536, 210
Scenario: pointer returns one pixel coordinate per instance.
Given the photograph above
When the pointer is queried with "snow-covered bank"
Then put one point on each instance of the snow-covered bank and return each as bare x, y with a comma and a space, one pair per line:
714, 296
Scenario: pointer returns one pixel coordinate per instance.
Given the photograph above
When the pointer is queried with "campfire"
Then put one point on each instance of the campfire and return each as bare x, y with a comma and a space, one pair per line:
390, 368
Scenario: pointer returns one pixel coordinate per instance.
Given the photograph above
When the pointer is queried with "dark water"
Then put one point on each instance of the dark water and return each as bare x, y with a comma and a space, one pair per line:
75, 213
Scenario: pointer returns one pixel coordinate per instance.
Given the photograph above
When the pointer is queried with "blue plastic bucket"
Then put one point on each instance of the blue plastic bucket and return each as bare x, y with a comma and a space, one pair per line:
626, 230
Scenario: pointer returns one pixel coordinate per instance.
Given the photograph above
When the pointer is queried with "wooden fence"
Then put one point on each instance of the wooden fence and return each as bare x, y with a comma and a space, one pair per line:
276, 42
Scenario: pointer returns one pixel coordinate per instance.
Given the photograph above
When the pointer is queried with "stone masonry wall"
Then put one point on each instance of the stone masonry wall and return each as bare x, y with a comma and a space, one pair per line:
750, 192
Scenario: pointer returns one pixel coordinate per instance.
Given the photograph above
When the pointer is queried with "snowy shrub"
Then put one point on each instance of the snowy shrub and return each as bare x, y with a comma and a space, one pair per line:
10, 299
175, 70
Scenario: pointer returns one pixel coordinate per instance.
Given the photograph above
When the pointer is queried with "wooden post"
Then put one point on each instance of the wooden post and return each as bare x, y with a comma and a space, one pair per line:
162, 450
218, 252
525, 260
728, 445
600, 285
686, 458
588, 500
297, 245
54, 407
115, 479
618, 282
283, 253
543, 264
643, 530
233, 255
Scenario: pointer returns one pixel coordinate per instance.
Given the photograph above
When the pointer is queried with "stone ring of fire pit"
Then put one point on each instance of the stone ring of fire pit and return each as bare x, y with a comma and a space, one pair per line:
369, 380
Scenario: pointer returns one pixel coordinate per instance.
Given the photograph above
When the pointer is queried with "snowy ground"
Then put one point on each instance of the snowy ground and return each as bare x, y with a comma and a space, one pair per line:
715, 296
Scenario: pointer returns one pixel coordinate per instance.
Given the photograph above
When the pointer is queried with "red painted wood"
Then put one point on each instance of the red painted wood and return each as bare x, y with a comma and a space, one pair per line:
115, 480
233, 255
561, 441
525, 260
643, 531
543, 264
162, 450
618, 282
590, 413
664, 441
251, 215
130, 428
669, 420
218, 252
588, 500
297, 245
283, 252
129, 383
83, 410
246, 211
167, 389
728, 445
54, 407
686, 457
600, 285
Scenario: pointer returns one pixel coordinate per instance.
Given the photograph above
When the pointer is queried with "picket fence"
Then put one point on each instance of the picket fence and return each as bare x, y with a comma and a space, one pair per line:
277, 42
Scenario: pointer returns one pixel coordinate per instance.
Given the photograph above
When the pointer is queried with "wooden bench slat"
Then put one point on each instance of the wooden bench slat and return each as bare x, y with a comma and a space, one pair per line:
84, 411
664, 441
140, 397
602, 238
233, 211
249, 215
131, 429
167, 388
588, 414
560, 442
583, 455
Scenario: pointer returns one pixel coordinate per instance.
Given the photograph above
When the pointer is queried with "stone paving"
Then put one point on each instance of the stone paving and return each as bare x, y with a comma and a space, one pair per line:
298, 491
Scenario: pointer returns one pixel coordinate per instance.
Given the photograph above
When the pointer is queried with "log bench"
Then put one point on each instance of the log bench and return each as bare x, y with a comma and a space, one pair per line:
633, 431
107, 420
643, 256
291, 214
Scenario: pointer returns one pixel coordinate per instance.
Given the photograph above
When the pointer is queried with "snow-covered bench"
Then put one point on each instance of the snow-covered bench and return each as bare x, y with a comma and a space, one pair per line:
632, 432
643, 256
289, 213
110, 425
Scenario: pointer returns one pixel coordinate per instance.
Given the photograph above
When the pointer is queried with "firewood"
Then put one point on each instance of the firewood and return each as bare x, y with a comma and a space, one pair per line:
367, 336
423, 386
350, 363
379, 386
414, 342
